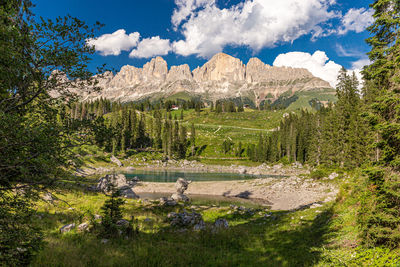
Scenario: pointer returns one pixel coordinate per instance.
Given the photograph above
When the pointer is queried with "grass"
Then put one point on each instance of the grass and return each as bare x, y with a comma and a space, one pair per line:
325, 236
251, 239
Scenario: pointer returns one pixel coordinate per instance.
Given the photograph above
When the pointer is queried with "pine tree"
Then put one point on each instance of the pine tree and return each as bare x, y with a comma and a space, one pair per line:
379, 215
193, 138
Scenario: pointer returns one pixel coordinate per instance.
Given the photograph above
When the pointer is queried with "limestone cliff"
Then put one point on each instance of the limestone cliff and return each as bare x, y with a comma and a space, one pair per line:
223, 76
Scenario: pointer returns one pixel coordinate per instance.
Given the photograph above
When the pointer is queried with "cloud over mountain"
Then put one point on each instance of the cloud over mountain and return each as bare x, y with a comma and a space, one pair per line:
114, 43
150, 47
207, 29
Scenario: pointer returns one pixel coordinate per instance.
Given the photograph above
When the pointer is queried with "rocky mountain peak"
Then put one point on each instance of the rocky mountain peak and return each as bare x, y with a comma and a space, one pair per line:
223, 76
181, 72
221, 67
157, 68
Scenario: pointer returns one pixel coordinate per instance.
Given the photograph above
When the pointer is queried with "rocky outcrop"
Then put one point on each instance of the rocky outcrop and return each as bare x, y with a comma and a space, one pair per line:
181, 186
178, 73
223, 76
186, 219
117, 181
116, 161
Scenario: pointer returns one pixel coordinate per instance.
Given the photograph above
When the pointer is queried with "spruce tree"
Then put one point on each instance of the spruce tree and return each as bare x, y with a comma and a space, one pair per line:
193, 138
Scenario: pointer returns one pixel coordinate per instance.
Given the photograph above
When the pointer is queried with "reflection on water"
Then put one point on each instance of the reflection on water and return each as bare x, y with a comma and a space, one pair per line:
172, 176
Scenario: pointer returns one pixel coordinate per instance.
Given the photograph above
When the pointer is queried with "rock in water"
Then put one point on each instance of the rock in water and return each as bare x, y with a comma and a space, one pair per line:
116, 161
181, 186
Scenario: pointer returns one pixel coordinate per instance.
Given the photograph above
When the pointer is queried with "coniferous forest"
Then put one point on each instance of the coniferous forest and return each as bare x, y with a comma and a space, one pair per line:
43, 125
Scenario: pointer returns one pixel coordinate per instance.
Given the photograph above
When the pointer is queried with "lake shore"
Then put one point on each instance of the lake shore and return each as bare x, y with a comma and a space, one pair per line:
280, 194
288, 193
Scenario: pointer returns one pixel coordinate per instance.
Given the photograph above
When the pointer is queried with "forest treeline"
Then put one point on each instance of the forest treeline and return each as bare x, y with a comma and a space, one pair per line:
336, 135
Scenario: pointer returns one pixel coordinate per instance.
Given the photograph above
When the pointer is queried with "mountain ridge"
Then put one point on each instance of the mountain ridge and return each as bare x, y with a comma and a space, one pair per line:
223, 76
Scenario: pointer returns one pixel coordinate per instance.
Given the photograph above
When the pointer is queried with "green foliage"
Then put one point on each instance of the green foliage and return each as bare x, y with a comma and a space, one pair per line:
112, 213
379, 216
319, 173
39, 59
20, 240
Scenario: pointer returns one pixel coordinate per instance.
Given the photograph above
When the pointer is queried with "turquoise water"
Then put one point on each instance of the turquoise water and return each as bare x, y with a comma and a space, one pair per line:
171, 176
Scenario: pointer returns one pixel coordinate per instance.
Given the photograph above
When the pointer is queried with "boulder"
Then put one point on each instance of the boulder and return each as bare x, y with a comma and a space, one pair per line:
181, 186
221, 224
116, 161
167, 202
83, 227
333, 175
242, 170
186, 220
127, 192
180, 197
66, 228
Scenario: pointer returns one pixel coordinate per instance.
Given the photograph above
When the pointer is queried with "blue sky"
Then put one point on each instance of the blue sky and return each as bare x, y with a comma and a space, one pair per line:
191, 31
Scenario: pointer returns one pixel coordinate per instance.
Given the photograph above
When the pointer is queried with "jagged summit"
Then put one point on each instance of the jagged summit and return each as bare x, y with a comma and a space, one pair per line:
223, 76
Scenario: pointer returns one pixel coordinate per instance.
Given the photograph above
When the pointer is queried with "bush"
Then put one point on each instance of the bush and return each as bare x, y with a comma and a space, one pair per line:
319, 173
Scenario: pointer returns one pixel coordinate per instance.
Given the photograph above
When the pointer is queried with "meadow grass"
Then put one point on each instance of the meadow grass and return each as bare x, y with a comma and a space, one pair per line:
325, 236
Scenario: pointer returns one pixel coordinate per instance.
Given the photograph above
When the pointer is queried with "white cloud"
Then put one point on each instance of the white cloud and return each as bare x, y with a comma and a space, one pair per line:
356, 20
318, 64
150, 47
348, 52
207, 29
114, 43
185, 8
357, 67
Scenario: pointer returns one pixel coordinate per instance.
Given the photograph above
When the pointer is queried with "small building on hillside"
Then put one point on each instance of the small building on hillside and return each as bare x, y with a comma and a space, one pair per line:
174, 107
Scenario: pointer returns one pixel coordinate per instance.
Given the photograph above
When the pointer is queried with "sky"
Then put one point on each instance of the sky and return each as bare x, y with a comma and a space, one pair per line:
319, 35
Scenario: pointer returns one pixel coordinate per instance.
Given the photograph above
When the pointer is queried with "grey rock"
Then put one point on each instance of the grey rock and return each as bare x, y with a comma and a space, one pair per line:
67, 228
199, 226
119, 181
123, 223
186, 219
180, 197
242, 170
333, 175
167, 202
127, 192
181, 186
83, 227
116, 161
220, 224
